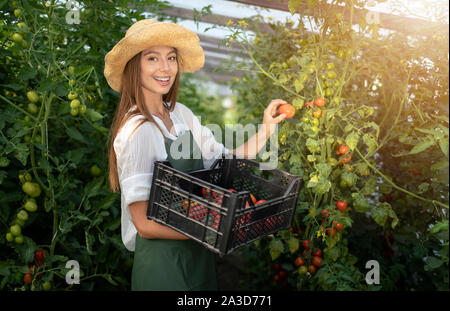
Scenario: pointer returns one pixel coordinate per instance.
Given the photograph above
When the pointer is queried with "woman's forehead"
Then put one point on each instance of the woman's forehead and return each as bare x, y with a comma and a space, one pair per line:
159, 49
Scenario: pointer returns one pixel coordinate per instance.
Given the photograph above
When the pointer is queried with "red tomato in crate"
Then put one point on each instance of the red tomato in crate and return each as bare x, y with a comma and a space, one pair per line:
216, 219
241, 225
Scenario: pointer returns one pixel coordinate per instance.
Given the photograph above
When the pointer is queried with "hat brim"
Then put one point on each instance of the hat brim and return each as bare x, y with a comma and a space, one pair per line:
185, 41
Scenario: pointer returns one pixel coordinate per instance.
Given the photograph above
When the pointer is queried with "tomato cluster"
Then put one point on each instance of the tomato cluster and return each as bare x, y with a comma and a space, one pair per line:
34, 270
342, 151
33, 190
309, 261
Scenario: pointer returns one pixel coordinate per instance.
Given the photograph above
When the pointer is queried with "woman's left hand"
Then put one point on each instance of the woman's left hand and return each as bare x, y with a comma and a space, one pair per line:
271, 111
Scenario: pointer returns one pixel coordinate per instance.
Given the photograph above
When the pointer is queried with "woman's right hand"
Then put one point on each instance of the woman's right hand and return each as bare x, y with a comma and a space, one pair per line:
271, 111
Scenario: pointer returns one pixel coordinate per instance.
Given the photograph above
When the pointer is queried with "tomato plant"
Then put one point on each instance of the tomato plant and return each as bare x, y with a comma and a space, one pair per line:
381, 132
55, 113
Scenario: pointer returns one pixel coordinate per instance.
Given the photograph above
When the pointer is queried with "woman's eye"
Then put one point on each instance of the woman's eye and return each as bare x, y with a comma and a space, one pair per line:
172, 57
152, 58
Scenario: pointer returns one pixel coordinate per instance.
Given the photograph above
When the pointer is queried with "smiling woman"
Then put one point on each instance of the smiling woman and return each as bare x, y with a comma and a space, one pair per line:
145, 67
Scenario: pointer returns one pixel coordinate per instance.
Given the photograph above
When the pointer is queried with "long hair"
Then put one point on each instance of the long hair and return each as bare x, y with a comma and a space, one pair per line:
132, 95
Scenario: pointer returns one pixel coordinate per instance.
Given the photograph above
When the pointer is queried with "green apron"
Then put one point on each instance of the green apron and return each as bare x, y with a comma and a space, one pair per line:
174, 265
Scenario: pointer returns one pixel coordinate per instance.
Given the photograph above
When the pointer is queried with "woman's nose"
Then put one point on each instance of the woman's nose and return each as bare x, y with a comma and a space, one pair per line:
164, 65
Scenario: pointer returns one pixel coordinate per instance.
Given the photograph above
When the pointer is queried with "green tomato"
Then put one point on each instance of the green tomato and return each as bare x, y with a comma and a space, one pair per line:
71, 70
47, 286
32, 189
330, 66
17, 38
17, 12
74, 111
331, 74
31, 205
328, 92
71, 82
75, 103
305, 119
32, 108
22, 215
18, 239
72, 95
9, 237
315, 122
22, 27
95, 170
15, 230
33, 96
83, 109
302, 270
341, 54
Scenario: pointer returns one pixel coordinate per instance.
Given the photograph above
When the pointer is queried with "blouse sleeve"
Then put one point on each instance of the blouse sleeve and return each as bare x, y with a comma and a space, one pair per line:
135, 160
203, 136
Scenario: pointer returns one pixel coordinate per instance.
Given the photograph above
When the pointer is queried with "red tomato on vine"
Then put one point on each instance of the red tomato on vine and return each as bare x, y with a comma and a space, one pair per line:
341, 205
319, 102
287, 109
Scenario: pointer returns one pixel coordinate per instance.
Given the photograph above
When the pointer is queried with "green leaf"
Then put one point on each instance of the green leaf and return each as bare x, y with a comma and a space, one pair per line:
370, 186
360, 203
432, 263
4, 162
370, 142
313, 145
423, 187
382, 212
443, 143
27, 249
76, 155
109, 278
94, 115
324, 169
276, 248
349, 178
27, 73
293, 244
75, 134
439, 226
333, 253
311, 158
385, 188
298, 85
422, 146
352, 140
313, 181
323, 186
106, 202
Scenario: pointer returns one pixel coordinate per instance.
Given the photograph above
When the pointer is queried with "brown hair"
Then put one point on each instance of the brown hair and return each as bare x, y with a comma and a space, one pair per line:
132, 95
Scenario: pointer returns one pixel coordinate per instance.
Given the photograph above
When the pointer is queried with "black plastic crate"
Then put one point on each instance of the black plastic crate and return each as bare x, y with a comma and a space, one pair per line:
201, 205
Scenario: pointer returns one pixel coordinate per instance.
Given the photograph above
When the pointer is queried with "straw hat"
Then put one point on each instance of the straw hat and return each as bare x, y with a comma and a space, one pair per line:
146, 33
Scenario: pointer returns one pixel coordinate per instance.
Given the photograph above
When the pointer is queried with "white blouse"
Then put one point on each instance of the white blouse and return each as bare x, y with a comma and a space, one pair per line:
137, 153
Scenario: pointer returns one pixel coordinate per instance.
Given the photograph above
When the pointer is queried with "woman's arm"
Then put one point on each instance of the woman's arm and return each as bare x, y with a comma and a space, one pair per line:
149, 229
251, 148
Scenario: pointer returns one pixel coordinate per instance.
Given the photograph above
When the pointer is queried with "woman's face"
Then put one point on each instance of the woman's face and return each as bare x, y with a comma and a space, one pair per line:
159, 67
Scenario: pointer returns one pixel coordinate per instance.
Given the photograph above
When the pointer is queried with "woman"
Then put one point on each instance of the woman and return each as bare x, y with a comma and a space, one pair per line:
145, 68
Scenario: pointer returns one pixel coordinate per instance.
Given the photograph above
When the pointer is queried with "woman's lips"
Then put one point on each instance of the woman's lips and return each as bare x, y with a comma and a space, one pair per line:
163, 83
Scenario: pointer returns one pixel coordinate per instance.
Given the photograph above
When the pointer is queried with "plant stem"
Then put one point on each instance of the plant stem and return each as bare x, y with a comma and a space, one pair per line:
398, 187
18, 108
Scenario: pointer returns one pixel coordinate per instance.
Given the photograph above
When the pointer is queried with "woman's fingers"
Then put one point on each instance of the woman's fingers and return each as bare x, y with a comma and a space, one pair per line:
280, 118
273, 106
